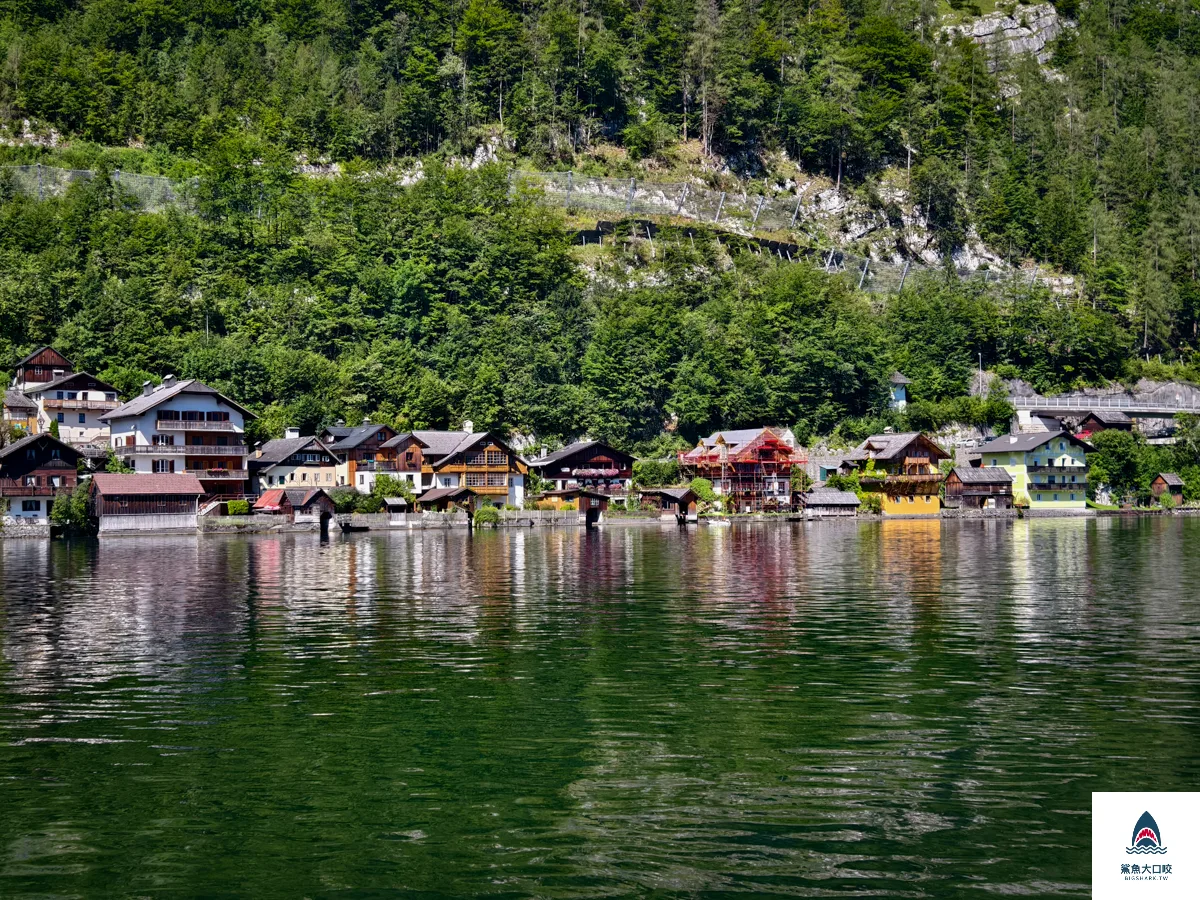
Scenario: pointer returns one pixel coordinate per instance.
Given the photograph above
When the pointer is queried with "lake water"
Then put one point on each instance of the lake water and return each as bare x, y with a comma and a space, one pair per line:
906, 708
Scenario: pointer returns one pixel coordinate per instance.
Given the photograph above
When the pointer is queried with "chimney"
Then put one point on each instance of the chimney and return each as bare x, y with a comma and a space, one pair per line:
366, 420
258, 449
340, 423
147, 388
168, 382
468, 426
291, 432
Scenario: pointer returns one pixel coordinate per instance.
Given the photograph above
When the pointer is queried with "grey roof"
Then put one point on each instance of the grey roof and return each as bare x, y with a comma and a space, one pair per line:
897, 378
41, 387
143, 403
14, 399
399, 439
1109, 416
337, 431
303, 496
1171, 479
887, 446
736, 437
443, 493
276, 451
1024, 443
395, 501
571, 449
357, 435
444, 443
24, 442
982, 475
830, 497
676, 493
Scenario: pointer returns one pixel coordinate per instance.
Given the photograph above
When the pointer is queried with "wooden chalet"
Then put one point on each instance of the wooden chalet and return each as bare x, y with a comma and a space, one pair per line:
33, 471
128, 503
982, 487
1167, 484
587, 464
43, 365
20, 411
902, 469
478, 460
1102, 420
362, 455
751, 469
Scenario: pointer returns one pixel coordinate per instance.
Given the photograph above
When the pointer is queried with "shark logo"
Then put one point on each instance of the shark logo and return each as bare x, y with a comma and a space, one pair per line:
1147, 838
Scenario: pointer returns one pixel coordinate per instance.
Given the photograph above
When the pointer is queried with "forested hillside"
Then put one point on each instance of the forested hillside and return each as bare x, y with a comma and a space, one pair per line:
321, 298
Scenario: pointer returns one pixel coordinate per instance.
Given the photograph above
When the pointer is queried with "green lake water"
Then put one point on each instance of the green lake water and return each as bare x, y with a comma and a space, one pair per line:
914, 709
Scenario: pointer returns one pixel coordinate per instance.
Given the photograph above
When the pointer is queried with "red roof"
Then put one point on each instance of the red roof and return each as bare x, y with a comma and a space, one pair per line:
109, 483
271, 500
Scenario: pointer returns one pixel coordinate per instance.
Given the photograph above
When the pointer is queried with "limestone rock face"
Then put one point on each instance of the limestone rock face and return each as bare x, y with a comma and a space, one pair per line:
1029, 29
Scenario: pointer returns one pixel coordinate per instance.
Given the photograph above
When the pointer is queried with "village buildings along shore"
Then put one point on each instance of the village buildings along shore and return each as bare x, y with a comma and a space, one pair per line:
178, 451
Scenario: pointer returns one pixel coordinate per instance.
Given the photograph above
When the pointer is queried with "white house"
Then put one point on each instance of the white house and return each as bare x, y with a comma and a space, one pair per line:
183, 427
78, 403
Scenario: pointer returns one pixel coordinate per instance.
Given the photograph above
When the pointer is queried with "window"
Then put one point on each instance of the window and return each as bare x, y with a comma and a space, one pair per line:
382, 436
362, 479
1072, 479
1039, 498
72, 395
170, 414
163, 440
61, 418
162, 466
31, 506
110, 396
56, 481
1056, 498
82, 419
217, 416
222, 441
1072, 496
197, 440
476, 459
30, 481
1062, 445
304, 476
58, 395
497, 458
476, 479
497, 479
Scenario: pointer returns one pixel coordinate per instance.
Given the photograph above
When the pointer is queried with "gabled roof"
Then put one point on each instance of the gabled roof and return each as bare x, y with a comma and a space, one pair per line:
891, 446
358, 434
58, 383
444, 493
678, 494
439, 443
829, 497
133, 485
982, 475
278, 450
571, 449
1109, 416
1027, 442
897, 378
301, 497
466, 443
736, 443
43, 439
15, 399
271, 500
337, 431
400, 439
1171, 479
145, 402
44, 347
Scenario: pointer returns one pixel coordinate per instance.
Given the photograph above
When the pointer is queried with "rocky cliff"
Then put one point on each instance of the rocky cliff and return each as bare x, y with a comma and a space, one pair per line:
1020, 29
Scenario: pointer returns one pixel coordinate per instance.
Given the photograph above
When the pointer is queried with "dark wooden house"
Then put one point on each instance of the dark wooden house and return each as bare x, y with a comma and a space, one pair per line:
33, 471
986, 487
43, 365
125, 503
681, 502
1169, 484
586, 464
1102, 420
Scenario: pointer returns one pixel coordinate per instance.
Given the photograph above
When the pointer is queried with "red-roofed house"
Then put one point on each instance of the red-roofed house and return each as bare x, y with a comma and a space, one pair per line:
750, 469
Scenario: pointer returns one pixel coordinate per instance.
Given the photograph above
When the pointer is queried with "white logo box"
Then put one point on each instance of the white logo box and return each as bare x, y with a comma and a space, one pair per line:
1145, 856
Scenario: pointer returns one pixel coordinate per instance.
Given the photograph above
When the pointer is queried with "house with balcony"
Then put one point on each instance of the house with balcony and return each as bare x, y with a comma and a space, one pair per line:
361, 456
33, 471
293, 461
183, 427
750, 469
593, 465
19, 411
78, 403
43, 365
903, 469
478, 460
1049, 469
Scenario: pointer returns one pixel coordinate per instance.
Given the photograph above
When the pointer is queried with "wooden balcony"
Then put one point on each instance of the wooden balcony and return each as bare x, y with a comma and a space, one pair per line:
1056, 470
194, 425
885, 478
181, 450
223, 474
81, 404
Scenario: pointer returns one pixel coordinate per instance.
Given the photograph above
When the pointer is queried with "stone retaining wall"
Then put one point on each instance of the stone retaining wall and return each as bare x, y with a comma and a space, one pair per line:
17, 527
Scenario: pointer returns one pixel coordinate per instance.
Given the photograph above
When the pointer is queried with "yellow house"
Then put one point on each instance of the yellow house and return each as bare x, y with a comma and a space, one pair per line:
1049, 468
903, 470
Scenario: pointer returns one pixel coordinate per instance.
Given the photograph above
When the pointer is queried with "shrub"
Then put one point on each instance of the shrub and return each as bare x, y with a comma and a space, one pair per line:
870, 502
704, 490
239, 507
569, 507
487, 515
1167, 501
369, 503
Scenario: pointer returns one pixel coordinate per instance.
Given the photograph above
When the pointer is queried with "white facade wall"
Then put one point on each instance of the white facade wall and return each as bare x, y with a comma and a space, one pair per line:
17, 510
134, 524
143, 428
75, 426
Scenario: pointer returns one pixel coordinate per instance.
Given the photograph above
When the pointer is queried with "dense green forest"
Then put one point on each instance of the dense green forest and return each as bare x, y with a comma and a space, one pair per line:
320, 298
